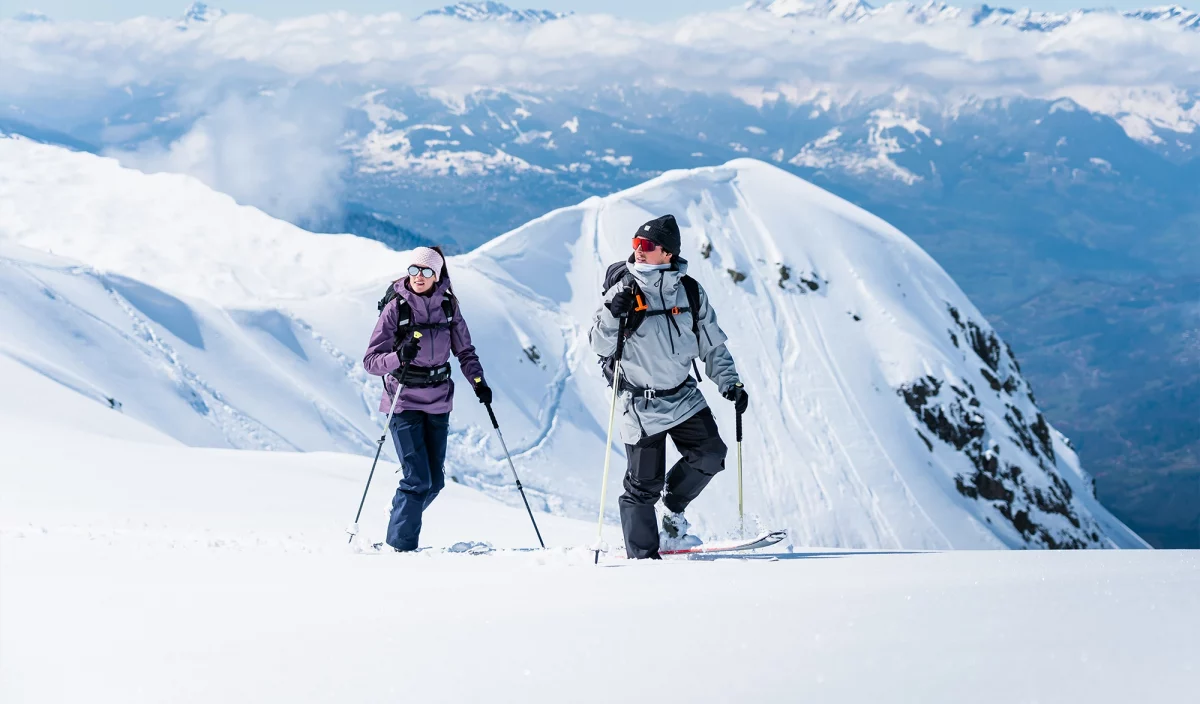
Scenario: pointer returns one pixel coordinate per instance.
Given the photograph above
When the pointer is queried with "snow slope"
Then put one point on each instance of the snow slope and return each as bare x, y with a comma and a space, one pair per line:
884, 412
148, 571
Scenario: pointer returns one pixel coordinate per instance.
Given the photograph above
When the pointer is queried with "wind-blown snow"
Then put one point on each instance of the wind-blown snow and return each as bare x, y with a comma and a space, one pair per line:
277, 152
885, 412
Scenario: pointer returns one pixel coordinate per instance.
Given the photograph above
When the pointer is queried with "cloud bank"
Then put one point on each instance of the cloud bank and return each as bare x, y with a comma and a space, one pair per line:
722, 51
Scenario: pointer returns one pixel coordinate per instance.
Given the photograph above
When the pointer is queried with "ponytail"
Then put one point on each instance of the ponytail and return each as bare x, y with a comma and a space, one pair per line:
445, 273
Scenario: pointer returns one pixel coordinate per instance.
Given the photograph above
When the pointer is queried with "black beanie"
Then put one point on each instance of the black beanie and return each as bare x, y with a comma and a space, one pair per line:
662, 231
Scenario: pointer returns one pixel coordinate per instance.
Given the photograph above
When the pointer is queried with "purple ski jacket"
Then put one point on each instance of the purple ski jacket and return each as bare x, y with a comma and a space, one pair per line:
436, 347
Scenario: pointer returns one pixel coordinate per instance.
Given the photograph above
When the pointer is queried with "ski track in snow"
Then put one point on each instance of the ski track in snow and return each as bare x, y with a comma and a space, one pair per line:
866, 497
240, 430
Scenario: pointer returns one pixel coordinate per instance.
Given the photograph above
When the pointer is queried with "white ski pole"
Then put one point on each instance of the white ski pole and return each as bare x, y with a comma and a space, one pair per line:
612, 414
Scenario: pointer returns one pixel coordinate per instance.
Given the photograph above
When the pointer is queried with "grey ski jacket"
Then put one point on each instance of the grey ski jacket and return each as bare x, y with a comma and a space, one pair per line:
660, 353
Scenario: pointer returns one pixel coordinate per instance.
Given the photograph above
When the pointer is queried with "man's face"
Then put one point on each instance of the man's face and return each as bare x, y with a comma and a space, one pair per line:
657, 255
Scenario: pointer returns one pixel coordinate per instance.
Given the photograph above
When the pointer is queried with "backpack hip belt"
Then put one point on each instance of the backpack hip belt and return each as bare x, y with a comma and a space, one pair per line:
423, 377
648, 393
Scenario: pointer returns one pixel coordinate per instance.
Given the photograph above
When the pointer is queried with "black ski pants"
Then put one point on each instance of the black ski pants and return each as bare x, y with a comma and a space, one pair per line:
703, 455
420, 439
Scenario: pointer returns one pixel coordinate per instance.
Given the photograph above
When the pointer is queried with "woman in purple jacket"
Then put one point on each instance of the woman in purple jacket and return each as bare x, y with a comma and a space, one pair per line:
424, 303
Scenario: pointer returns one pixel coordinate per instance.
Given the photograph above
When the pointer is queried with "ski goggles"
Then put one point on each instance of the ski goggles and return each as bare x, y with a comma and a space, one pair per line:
641, 244
423, 271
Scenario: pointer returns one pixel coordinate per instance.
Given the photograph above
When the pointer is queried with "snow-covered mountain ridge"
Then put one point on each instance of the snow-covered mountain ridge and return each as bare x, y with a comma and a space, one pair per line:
885, 411
936, 11
493, 11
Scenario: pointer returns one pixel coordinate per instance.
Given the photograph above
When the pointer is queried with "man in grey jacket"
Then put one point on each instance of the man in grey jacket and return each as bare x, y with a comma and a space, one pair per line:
658, 395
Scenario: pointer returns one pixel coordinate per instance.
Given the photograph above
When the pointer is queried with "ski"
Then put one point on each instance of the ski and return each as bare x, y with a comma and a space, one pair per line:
469, 547
762, 540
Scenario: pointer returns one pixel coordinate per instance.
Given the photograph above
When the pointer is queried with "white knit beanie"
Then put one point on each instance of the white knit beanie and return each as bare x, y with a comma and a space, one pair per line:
426, 257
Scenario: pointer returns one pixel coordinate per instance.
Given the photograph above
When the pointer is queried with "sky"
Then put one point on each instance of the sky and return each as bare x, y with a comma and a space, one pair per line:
647, 10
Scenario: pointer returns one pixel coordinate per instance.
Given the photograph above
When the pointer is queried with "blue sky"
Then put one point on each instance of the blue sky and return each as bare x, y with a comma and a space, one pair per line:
639, 9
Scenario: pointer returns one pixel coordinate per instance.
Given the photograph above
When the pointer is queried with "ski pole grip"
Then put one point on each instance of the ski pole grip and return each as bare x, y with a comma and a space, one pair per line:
739, 427
492, 415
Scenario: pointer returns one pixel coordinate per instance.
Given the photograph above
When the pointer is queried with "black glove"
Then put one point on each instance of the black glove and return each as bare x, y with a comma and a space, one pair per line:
483, 392
621, 304
737, 394
408, 351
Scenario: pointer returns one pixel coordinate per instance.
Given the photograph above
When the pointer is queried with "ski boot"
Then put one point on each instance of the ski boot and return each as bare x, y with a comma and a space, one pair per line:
674, 534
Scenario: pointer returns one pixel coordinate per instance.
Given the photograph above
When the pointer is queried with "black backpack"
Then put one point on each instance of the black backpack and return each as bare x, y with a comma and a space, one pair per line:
619, 274
405, 326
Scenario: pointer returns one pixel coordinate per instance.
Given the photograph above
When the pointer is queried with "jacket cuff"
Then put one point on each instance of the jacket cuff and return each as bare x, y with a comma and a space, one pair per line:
608, 319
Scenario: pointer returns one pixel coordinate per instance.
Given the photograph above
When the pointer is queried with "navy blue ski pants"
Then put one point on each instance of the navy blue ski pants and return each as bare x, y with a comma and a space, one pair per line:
420, 439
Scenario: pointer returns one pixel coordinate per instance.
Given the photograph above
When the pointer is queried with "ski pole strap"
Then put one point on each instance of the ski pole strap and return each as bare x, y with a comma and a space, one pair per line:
492, 414
739, 427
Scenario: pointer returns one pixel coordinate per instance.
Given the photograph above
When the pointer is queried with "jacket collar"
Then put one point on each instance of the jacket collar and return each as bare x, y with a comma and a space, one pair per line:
670, 277
416, 300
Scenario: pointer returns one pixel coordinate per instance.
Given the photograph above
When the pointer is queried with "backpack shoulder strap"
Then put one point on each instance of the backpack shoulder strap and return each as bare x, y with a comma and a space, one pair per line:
692, 288
387, 297
616, 273
449, 305
403, 315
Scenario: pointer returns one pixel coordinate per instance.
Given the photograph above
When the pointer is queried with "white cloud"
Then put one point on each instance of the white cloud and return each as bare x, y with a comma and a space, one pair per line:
276, 152
735, 50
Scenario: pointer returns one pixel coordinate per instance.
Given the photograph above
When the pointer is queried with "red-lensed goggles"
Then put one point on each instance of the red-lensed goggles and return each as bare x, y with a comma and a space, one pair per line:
641, 244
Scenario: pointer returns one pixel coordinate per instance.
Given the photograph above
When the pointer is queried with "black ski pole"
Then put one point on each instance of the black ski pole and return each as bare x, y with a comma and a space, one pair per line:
496, 425
353, 530
612, 414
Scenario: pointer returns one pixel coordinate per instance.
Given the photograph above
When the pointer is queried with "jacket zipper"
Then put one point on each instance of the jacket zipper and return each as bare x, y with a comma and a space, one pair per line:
670, 319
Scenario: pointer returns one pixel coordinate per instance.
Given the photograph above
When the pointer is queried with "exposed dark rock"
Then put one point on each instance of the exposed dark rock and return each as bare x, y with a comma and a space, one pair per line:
1013, 357
1016, 421
953, 314
1041, 430
785, 273
737, 276
991, 379
1020, 496
532, 353
985, 343
951, 423
706, 250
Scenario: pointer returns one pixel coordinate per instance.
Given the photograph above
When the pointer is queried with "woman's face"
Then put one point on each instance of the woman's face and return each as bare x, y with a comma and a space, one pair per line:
420, 284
